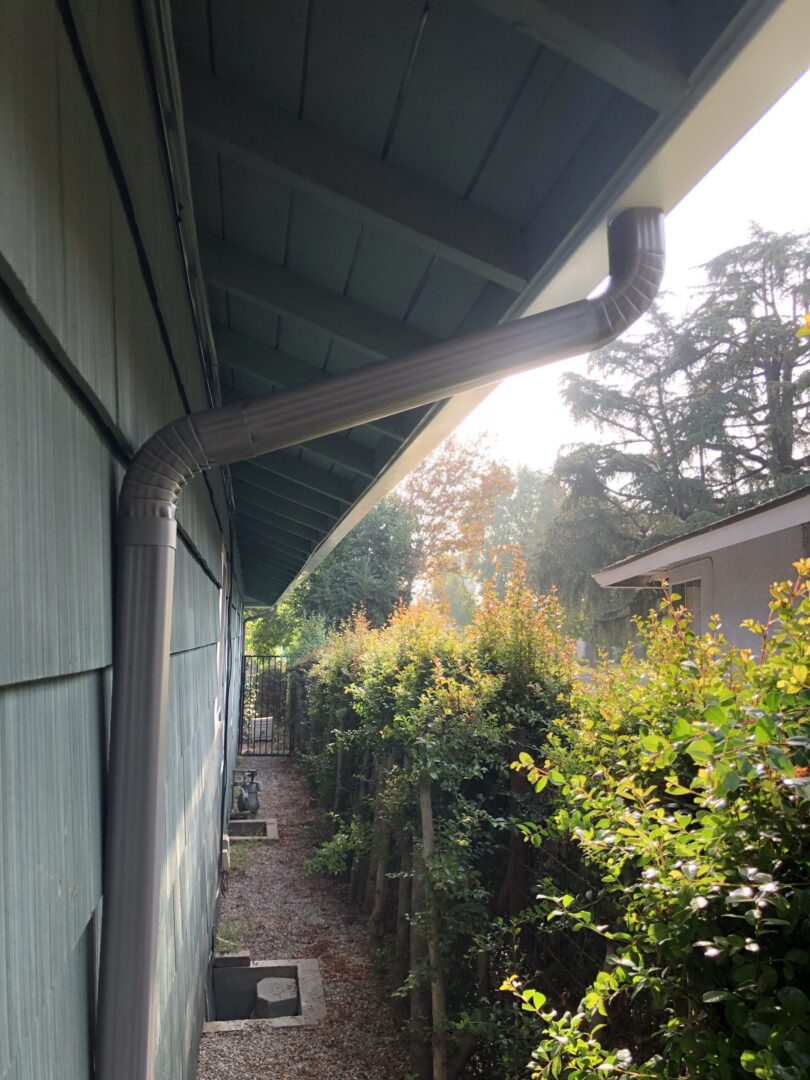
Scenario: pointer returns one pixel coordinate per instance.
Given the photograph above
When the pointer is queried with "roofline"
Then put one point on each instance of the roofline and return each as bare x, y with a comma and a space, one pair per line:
765, 68
648, 567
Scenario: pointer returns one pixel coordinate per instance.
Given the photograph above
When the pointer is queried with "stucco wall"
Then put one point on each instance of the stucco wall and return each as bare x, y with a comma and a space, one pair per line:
97, 350
736, 581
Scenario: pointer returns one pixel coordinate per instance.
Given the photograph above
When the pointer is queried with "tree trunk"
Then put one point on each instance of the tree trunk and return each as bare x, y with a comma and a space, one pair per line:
402, 949
337, 805
419, 997
466, 1045
373, 855
437, 986
380, 843
359, 869
516, 868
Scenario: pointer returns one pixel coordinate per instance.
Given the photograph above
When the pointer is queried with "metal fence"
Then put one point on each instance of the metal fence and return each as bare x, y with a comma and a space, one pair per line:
272, 707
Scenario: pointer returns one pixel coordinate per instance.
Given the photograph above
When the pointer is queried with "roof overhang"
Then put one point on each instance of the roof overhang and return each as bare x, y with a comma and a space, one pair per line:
277, 316
774, 59
655, 565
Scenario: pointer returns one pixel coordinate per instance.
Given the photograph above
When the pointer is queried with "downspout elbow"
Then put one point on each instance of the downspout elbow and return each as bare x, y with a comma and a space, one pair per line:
637, 259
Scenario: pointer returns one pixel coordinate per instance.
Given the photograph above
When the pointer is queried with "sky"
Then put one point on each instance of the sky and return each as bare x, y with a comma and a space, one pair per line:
763, 178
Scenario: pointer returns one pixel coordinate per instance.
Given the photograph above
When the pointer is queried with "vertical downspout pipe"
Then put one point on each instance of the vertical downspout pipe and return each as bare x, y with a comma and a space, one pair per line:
146, 538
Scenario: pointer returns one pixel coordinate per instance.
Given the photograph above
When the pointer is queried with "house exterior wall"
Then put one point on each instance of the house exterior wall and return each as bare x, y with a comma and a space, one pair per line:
97, 350
736, 580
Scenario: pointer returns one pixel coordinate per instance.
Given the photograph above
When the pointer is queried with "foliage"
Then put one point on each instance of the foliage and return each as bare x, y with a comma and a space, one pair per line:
416, 710
749, 367
683, 780
372, 568
454, 495
269, 631
241, 854
232, 934
704, 414
520, 517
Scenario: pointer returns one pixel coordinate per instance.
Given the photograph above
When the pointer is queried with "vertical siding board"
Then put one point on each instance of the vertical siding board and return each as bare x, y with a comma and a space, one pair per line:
55, 576
31, 221
89, 335
196, 601
147, 394
196, 514
51, 825
64, 233
113, 52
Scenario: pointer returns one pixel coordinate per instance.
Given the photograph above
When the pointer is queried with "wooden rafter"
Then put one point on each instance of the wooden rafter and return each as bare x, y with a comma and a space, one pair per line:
244, 353
270, 140
630, 44
284, 292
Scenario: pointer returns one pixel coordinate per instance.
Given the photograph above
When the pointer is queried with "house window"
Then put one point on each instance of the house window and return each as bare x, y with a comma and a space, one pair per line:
689, 592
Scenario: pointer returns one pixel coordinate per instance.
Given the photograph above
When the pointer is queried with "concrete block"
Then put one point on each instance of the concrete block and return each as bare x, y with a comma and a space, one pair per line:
276, 997
233, 959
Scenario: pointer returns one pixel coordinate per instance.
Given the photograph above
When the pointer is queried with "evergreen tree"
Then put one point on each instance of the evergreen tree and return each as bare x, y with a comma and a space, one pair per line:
372, 568
705, 414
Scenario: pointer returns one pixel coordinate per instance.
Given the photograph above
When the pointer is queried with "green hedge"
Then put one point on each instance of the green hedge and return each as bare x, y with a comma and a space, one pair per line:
601, 877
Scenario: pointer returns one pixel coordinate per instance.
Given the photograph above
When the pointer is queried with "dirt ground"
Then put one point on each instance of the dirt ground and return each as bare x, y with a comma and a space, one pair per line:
285, 913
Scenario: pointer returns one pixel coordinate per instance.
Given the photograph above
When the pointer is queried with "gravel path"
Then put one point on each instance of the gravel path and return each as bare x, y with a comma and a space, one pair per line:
288, 914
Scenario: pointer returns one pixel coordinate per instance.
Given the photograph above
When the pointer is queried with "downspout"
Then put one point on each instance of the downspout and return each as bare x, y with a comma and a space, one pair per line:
146, 538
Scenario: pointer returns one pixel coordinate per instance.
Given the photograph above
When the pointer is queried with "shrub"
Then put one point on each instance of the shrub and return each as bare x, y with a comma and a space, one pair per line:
684, 781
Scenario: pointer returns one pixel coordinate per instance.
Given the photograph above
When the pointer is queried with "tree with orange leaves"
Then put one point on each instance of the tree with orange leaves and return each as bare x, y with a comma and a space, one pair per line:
454, 495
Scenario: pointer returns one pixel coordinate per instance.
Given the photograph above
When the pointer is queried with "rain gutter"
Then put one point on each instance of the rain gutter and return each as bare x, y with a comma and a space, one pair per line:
147, 536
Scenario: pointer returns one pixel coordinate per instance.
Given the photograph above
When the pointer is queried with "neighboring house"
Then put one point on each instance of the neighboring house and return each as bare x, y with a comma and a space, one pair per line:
317, 187
726, 568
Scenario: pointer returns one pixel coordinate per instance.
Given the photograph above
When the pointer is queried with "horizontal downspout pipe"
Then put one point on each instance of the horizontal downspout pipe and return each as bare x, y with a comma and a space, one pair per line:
146, 537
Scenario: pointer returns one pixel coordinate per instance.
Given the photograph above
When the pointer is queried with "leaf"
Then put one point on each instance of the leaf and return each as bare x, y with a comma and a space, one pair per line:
726, 778
700, 750
713, 997
794, 1000
682, 729
715, 715
653, 744
759, 1032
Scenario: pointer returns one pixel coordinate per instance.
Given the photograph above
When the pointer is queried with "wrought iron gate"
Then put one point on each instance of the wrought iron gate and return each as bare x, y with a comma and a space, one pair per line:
269, 707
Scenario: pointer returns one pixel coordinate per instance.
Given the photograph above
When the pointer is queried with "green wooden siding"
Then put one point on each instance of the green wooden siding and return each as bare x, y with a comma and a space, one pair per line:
69, 256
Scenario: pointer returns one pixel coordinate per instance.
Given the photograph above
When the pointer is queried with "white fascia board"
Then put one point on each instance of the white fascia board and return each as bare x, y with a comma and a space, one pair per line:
656, 563
757, 77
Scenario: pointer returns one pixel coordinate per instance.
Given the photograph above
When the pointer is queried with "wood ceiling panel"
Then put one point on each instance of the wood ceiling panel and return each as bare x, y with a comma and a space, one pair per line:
218, 305
255, 209
464, 76
620, 128
190, 28
387, 271
322, 241
292, 294
448, 295
352, 88
264, 137
630, 44
554, 113
260, 44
